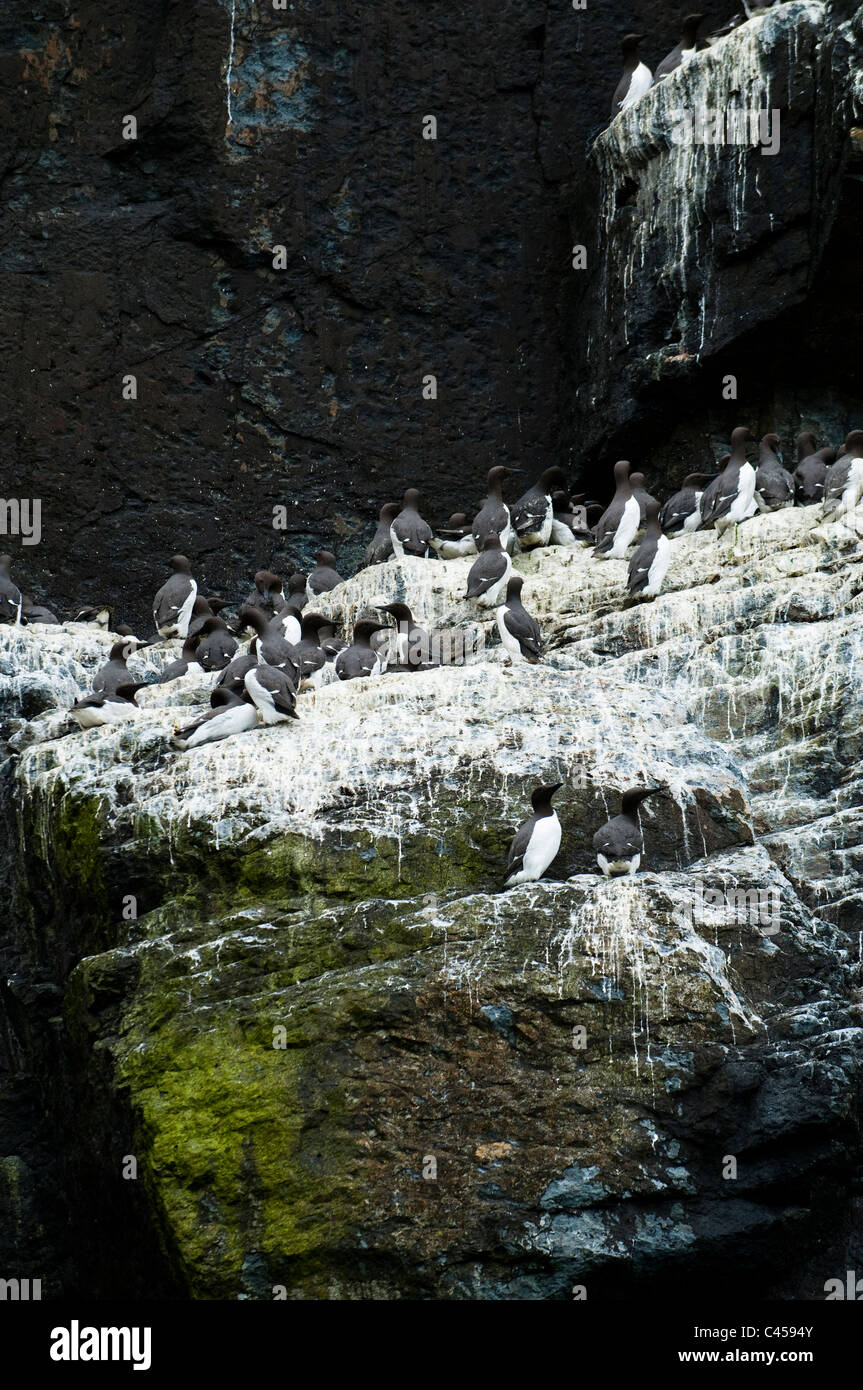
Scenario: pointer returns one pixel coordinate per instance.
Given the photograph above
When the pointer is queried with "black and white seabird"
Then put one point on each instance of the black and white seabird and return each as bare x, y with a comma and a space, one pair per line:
641, 495
97, 617
107, 707
414, 646
272, 693
380, 547
175, 669
618, 524
493, 517
11, 601
684, 50
360, 658
172, 606
456, 538
269, 646
533, 514
409, 533
619, 844
310, 653
37, 613
233, 677
731, 498
843, 486
324, 577
682, 511
651, 557
268, 594
217, 647
489, 573
810, 476
519, 631
637, 77
114, 673
774, 485
229, 714
536, 841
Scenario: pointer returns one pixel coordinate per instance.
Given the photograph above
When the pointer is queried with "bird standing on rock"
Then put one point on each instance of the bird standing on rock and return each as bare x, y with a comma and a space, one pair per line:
270, 647
651, 557
637, 77
360, 659
172, 606
324, 577
114, 673
618, 524
536, 841
682, 511
532, 515
810, 476
519, 631
272, 693
414, 645
619, 844
489, 573
732, 496
684, 50
380, 547
843, 486
493, 517
774, 485
409, 533
217, 647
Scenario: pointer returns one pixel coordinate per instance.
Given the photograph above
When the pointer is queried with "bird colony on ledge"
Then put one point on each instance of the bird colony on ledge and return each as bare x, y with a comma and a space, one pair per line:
291, 648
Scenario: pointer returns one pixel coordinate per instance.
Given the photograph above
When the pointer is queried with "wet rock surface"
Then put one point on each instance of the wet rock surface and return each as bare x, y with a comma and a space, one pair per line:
347, 1064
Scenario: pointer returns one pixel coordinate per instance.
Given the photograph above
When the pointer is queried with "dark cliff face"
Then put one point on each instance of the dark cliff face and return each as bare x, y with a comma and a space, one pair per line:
404, 257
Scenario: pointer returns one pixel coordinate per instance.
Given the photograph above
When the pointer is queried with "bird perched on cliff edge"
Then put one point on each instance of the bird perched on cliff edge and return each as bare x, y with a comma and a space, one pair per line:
533, 513
651, 557
172, 606
810, 476
489, 573
536, 841
682, 511
229, 714
618, 524
732, 496
619, 844
843, 486
684, 50
774, 485
409, 532
519, 631
637, 77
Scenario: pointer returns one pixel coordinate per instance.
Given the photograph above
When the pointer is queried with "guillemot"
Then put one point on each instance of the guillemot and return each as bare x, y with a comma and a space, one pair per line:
272, 693
493, 517
774, 485
489, 573
360, 658
619, 844
380, 547
637, 77
324, 577
536, 841
414, 646
682, 511
618, 524
229, 714
172, 606
409, 533
533, 513
519, 631
651, 557
107, 707
11, 601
